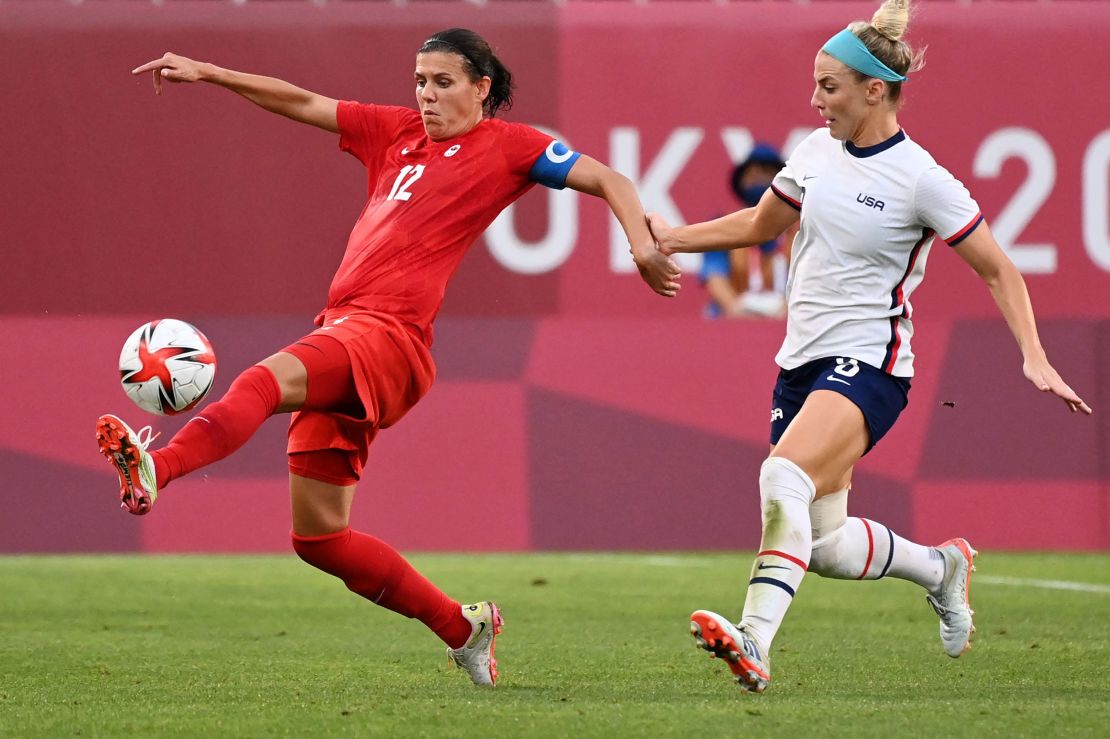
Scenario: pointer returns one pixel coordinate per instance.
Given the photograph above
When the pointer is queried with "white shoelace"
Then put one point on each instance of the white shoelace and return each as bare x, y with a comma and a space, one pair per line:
150, 436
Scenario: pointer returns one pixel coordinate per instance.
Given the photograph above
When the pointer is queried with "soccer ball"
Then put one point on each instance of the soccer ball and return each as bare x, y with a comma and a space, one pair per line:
167, 366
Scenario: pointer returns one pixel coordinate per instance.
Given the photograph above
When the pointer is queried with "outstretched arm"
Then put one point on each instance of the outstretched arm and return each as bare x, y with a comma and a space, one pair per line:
747, 227
594, 178
986, 257
276, 96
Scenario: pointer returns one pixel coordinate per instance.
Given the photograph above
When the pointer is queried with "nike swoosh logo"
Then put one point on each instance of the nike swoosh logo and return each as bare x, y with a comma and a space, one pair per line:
808, 177
404, 151
762, 566
837, 379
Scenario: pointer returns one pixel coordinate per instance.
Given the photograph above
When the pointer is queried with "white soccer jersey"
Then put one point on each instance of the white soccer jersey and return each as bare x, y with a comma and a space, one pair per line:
868, 217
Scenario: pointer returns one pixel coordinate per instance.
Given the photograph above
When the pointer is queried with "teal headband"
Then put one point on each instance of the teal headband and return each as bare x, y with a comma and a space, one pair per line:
846, 47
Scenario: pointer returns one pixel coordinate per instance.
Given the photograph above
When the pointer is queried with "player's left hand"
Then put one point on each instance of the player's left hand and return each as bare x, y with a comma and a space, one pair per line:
1039, 372
661, 231
659, 271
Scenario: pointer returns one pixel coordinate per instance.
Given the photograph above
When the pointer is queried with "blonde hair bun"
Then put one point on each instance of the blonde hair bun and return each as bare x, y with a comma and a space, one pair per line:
892, 18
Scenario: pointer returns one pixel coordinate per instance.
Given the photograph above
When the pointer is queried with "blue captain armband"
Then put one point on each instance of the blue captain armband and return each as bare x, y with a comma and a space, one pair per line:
553, 166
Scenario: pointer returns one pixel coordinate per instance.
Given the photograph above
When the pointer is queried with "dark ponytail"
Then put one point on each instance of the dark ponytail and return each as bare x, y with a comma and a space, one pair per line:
479, 61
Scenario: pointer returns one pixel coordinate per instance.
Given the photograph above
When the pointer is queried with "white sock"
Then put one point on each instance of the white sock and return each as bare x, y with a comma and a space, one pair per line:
829, 512
862, 549
785, 492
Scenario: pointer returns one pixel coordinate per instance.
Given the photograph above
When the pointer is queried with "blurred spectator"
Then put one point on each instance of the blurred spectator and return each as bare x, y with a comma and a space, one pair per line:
726, 274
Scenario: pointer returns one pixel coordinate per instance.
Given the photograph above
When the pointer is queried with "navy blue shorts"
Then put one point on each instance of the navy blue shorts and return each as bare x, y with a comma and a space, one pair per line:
880, 396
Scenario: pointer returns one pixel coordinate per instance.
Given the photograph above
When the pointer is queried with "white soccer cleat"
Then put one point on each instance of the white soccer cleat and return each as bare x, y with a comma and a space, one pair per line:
476, 656
722, 638
126, 450
953, 601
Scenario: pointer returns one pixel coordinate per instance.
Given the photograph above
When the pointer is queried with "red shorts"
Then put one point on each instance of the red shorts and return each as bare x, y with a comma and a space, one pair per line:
392, 370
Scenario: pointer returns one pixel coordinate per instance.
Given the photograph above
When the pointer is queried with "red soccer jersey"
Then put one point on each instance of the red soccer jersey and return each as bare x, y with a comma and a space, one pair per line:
427, 203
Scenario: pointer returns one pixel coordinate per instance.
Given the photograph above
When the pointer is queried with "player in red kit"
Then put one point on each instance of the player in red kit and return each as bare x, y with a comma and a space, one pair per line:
437, 177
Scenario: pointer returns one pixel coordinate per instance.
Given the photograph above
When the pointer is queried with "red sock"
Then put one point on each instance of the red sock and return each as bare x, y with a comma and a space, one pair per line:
222, 427
377, 572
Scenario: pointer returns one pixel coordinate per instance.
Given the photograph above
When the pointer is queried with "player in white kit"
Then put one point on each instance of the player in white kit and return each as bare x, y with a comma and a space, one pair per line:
871, 202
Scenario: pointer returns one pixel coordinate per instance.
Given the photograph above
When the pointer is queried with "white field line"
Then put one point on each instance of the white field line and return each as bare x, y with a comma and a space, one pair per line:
655, 560
1083, 587
660, 560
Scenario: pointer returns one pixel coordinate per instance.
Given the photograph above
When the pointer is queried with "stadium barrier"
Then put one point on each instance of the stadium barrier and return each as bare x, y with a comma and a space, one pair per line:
574, 409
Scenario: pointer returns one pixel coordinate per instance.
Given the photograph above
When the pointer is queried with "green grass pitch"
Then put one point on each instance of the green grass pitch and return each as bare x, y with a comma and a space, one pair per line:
594, 645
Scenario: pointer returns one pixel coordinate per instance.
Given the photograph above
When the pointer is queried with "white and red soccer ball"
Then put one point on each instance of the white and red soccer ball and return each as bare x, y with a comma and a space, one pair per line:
167, 366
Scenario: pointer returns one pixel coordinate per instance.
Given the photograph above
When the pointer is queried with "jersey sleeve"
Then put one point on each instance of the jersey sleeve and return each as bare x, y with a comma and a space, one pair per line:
552, 166
943, 204
787, 183
786, 187
364, 130
537, 156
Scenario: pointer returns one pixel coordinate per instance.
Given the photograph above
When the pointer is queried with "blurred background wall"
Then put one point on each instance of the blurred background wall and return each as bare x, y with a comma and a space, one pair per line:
574, 409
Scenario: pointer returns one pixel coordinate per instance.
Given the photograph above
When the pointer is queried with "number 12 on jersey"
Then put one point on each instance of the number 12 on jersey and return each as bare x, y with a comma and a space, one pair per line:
401, 186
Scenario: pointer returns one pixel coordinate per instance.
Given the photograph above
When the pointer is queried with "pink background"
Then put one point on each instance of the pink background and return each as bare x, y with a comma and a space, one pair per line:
574, 409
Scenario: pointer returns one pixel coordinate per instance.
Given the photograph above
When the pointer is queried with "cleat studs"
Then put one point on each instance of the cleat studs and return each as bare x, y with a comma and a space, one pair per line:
712, 625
